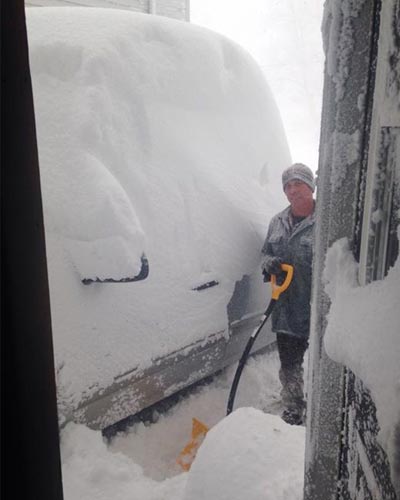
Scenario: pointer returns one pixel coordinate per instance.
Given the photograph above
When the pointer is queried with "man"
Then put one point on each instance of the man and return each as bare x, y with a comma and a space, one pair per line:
290, 240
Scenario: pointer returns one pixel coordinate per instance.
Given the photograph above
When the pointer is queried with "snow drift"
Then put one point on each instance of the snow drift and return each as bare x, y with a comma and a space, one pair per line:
154, 136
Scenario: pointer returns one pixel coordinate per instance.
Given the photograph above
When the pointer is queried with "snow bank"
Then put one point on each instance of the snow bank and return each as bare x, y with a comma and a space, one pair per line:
91, 471
256, 450
154, 136
156, 447
247, 455
363, 334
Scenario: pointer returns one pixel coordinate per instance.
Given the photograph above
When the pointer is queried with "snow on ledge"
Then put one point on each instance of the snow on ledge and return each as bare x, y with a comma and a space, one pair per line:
363, 334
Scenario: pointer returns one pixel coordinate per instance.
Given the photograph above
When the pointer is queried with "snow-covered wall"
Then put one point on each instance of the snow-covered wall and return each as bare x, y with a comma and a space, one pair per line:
338, 183
355, 342
363, 334
363, 321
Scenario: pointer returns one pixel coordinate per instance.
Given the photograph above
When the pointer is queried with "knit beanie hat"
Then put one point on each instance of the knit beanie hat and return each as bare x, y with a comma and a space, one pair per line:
299, 172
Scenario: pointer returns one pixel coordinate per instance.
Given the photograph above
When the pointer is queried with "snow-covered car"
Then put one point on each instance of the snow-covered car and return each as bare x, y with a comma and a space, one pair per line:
160, 150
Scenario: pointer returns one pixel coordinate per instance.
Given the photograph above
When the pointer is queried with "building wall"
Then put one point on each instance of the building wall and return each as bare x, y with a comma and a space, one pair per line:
345, 458
176, 9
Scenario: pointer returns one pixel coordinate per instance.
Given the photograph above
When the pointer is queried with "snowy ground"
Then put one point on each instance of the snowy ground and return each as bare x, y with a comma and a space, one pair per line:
251, 453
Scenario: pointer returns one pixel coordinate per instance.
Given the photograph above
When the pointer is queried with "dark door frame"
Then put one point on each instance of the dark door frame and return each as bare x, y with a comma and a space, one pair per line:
30, 454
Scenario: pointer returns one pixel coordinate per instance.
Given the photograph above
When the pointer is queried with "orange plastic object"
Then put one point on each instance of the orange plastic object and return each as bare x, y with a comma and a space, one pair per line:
278, 289
188, 454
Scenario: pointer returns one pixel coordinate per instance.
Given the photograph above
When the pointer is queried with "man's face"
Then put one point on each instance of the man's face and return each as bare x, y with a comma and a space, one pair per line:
297, 192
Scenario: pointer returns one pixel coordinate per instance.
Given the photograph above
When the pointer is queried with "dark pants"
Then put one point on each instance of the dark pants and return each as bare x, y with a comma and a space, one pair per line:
291, 354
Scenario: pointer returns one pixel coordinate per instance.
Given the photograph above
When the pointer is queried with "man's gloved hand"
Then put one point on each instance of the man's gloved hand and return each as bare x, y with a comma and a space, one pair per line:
272, 265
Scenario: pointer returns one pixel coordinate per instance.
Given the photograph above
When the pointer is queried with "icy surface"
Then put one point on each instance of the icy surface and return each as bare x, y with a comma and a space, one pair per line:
348, 150
156, 136
340, 44
363, 333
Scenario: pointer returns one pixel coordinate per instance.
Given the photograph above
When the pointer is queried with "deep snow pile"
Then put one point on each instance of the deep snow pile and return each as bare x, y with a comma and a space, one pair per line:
249, 454
156, 136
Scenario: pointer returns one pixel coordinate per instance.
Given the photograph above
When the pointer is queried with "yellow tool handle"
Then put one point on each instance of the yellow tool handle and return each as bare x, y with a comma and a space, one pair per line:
278, 289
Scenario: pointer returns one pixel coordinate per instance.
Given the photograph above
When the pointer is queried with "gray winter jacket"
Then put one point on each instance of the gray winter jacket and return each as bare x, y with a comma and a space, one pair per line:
294, 246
